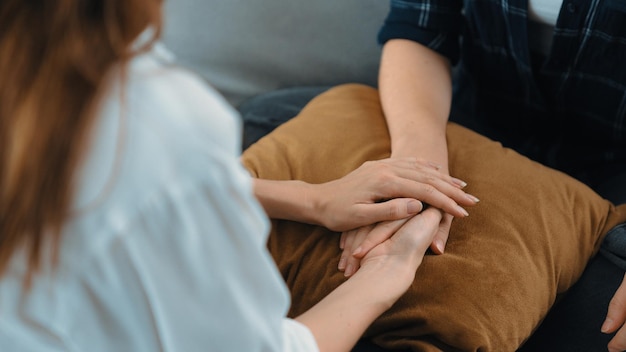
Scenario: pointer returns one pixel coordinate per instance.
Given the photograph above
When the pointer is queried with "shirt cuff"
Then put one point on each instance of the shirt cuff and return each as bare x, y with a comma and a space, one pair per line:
437, 29
297, 337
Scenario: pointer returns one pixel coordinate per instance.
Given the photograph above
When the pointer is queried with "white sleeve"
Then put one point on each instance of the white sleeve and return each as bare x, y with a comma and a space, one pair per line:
297, 337
194, 274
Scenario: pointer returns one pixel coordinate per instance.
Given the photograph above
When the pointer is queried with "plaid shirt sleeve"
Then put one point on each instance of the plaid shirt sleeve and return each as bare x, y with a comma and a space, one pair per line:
435, 24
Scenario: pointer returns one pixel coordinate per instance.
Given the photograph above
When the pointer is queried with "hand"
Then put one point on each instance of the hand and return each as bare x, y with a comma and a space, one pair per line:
385, 190
397, 258
358, 242
615, 319
341, 318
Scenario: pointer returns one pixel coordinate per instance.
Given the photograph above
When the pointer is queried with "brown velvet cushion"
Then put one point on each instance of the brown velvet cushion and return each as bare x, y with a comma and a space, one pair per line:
526, 241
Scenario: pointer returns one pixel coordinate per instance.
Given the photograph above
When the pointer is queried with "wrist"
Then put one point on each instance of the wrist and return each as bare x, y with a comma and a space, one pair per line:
388, 278
313, 203
290, 200
424, 137
319, 201
434, 152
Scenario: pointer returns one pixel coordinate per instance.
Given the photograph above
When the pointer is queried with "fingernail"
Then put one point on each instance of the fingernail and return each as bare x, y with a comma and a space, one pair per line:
472, 198
463, 211
440, 246
342, 264
607, 325
357, 251
459, 183
413, 207
348, 270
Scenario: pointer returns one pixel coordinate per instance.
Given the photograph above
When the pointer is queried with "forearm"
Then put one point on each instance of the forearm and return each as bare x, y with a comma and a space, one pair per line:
416, 93
341, 318
290, 200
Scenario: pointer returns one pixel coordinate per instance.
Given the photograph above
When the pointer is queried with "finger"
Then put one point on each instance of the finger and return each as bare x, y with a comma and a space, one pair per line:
378, 235
342, 240
401, 165
441, 237
345, 254
449, 190
352, 263
616, 315
424, 192
410, 180
394, 209
618, 342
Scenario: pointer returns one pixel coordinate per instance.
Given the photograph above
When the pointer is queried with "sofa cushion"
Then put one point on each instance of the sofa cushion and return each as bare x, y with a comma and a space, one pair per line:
526, 242
248, 47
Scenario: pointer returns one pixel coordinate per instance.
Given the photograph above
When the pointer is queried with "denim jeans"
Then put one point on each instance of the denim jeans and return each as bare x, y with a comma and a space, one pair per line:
573, 324
263, 113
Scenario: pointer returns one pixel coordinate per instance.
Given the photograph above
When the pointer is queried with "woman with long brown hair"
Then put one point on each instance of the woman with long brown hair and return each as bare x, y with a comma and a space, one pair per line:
126, 220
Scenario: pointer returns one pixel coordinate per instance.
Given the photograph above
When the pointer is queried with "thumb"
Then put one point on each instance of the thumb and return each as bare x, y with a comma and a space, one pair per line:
616, 315
393, 209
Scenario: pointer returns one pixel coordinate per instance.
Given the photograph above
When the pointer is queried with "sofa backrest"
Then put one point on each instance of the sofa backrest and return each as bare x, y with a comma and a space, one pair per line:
247, 47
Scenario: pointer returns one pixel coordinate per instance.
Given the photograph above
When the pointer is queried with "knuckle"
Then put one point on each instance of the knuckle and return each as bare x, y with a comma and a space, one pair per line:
617, 302
423, 163
360, 217
433, 215
354, 261
367, 242
384, 168
394, 211
415, 162
429, 189
381, 177
617, 344
386, 184
430, 179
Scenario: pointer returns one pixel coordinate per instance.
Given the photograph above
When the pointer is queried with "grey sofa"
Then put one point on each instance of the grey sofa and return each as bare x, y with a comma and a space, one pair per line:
249, 47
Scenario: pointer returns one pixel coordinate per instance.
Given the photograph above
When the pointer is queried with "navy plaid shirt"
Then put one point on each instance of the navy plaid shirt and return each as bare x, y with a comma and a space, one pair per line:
576, 94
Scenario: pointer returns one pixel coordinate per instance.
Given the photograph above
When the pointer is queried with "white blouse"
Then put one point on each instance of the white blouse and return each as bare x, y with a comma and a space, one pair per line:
166, 248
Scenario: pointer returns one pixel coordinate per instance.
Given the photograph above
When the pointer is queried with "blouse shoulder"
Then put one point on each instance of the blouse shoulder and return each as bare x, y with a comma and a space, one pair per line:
158, 126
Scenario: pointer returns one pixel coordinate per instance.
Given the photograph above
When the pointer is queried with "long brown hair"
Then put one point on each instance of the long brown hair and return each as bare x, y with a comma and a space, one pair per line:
54, 56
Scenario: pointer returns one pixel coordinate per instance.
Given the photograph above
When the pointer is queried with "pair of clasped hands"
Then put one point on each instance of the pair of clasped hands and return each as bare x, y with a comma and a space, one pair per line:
378, 199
